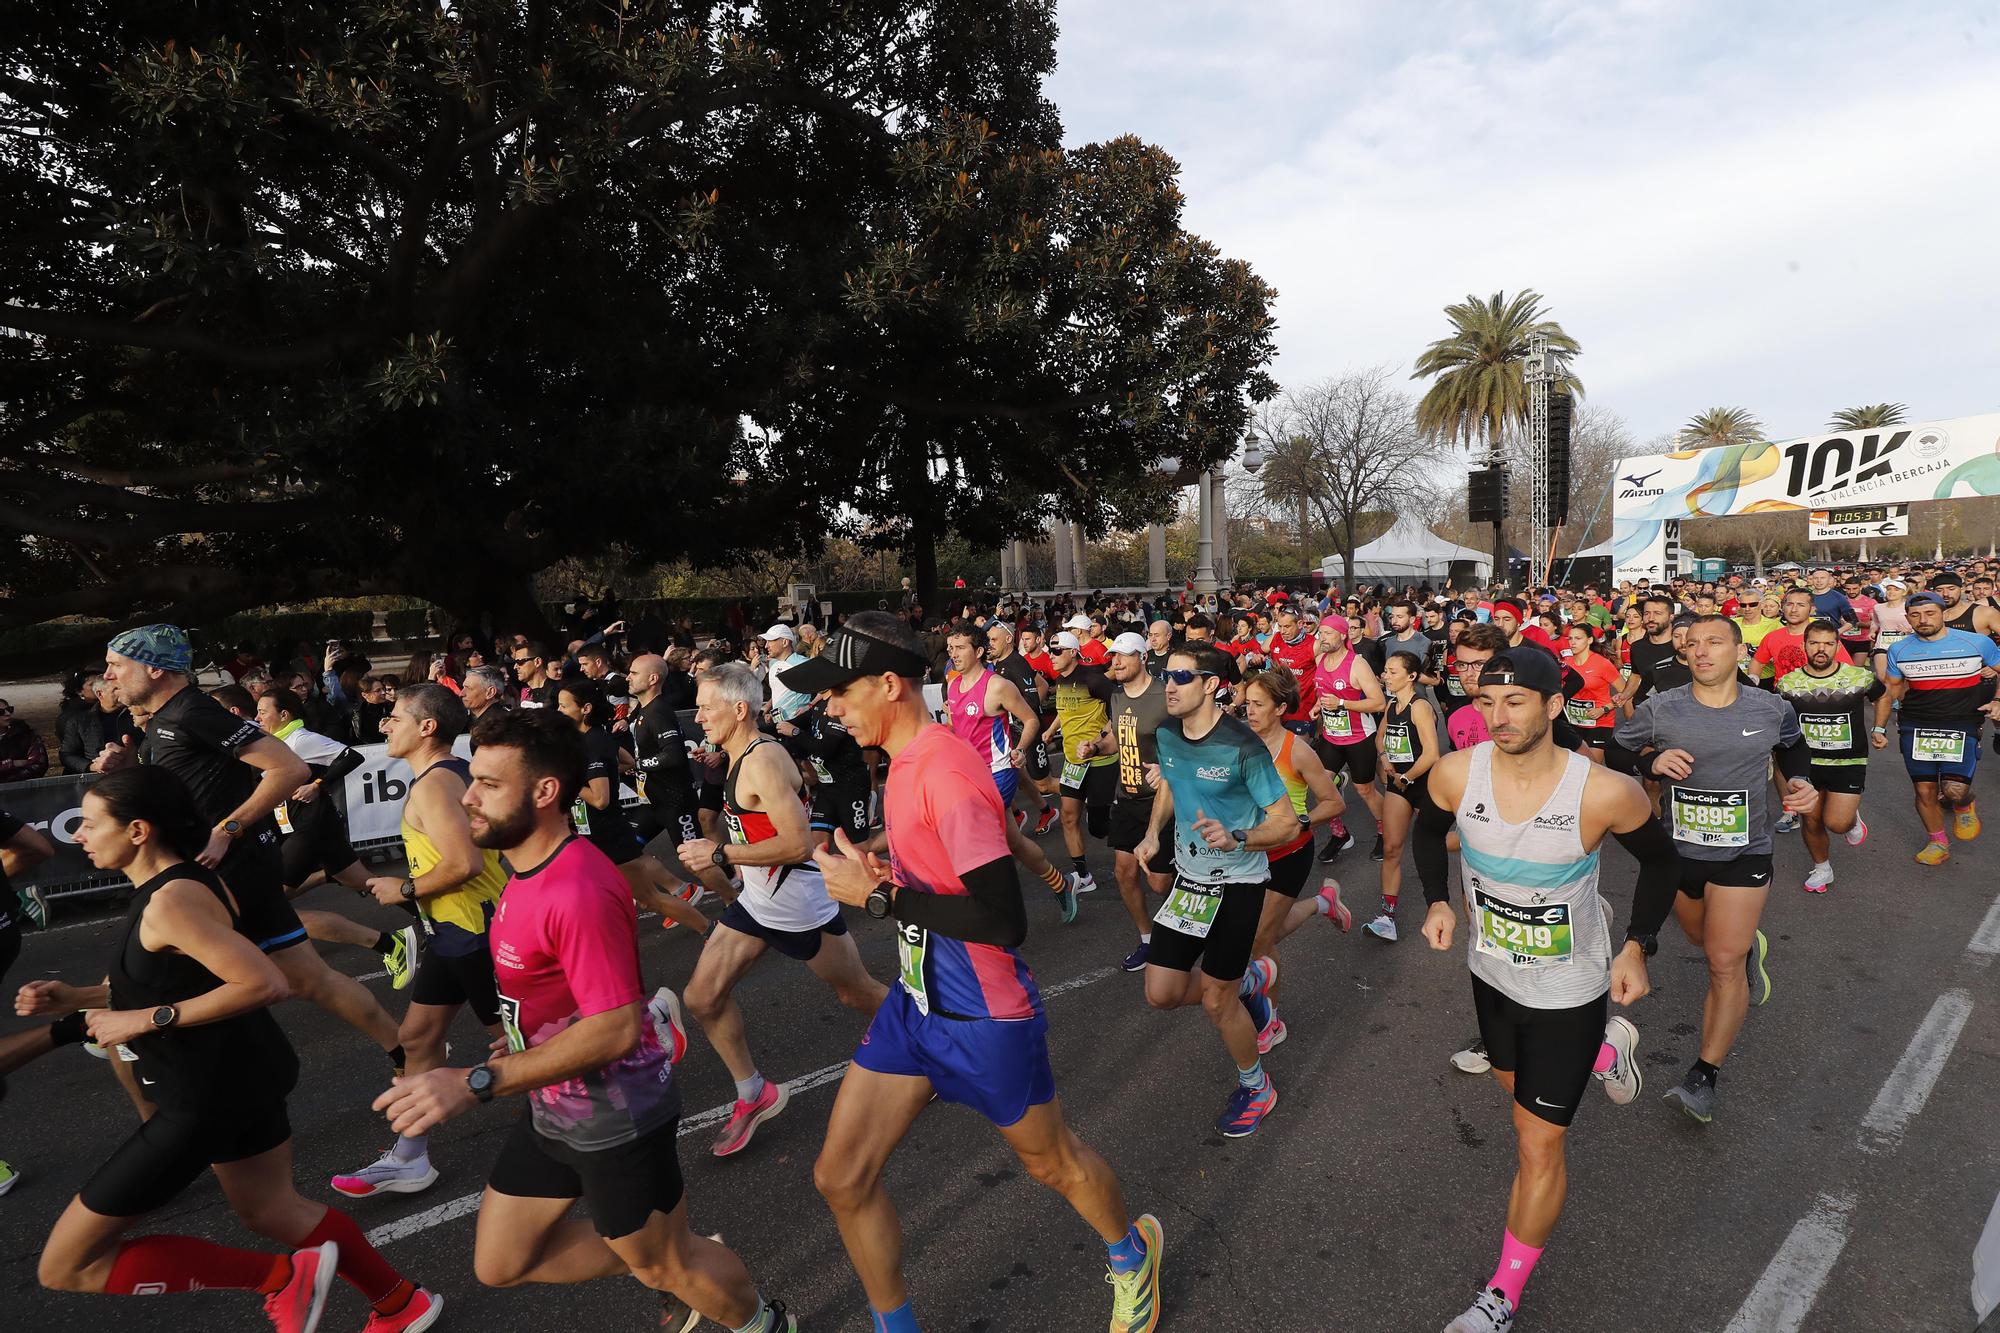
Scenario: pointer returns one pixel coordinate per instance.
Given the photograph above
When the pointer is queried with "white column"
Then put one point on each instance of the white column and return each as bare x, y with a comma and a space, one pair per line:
1204, 551
1156, 557
1019, 551
1059, 543
1078, 569
1006, 565
1223, 572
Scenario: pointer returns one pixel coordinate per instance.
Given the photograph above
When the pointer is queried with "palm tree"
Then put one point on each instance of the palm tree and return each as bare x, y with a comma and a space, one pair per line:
1477, 388
1720, 426
1869, 417
1291, 477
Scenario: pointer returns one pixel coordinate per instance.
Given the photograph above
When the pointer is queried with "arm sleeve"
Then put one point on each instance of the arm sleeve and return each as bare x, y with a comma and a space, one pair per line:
337, 771
1794, 756
1659, 877
990, 911
1433, 862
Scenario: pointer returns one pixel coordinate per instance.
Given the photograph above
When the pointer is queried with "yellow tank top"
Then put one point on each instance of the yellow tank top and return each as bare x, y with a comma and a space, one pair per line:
467, 908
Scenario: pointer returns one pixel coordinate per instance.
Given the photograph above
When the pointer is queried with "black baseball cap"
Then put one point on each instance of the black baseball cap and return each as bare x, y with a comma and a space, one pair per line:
1944, 578
1530, 668
848, 656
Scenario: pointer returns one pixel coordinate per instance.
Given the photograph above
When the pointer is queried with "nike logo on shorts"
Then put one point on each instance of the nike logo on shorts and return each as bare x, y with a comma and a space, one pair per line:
1553, 1106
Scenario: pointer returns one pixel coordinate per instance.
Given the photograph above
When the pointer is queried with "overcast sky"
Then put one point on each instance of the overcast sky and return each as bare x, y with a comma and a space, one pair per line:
1787, 207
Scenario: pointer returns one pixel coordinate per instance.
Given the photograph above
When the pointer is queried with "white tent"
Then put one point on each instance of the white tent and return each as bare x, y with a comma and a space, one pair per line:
1408, 551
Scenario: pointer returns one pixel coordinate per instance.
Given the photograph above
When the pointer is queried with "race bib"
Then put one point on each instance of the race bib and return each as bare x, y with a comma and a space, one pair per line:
1828, 731
510, 1023
1889, 638
1712, 818
1396, 744
1537, 936
1072, 775
284, 818
1937, 747
1336, 722
821, 773
1453, 686
1190, 909
1580, 713
910, 943
579, 815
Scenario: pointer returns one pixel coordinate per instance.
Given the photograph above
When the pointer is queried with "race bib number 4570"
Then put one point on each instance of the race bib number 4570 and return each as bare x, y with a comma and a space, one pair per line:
1937, 747
1712, 818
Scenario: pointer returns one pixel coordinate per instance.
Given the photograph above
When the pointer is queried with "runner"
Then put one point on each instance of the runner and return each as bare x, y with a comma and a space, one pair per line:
1349, 700
599, 816
783, 903
453, 885
186, 1001
1016, 670
1711, 744
1532, 818
1267, 697
1137, 710
1892, 624
1406, 748
238, 775
603, 1115
22, 848
661, 774
1589, 706
1828, 699
1222, 803
840, 786
1940, 683
965, 1022
1082, 693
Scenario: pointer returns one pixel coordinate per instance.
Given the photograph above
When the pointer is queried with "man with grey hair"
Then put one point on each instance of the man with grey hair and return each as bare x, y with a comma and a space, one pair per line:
485, 688
782, 905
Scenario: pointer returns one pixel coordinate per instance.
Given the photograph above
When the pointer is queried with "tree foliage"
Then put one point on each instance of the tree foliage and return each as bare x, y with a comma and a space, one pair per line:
389, 296
1719, 426
1869, 417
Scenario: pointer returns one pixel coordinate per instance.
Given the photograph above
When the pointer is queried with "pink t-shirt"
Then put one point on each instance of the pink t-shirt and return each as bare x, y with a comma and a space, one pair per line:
943, 817
566, 947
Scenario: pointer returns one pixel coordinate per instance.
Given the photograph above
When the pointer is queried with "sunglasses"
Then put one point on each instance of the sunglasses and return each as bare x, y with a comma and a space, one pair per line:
1179, 676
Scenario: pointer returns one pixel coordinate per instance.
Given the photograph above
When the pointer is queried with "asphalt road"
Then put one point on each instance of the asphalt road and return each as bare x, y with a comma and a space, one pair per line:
1841, 1187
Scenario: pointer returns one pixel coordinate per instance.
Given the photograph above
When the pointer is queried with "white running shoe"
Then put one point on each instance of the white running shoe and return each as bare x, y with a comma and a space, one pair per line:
668, 1024
1622, 1082
1473, 1059
1489, 1313
388, 1174
1858, 834
1819, 880
1083, 883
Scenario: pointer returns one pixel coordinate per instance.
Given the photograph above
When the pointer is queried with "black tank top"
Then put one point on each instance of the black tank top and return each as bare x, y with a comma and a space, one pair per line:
239, 1060
1403, 742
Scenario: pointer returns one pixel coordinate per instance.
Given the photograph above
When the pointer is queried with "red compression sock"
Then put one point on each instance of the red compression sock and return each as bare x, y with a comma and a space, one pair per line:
158, 1265
365, 1270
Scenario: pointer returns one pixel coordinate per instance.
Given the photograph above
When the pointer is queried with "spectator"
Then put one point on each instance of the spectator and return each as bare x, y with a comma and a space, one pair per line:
83, 732
23, 757
241, 663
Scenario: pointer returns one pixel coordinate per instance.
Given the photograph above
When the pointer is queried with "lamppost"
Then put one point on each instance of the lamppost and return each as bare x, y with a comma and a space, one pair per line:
1212, 568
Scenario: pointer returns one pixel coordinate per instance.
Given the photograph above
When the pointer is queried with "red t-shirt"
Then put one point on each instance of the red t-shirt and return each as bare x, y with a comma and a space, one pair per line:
1300, 657
1094, 652
566, 947
1041, 662
1784, 651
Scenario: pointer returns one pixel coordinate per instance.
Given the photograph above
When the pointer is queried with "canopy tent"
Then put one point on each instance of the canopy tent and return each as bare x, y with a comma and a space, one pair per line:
1407, 551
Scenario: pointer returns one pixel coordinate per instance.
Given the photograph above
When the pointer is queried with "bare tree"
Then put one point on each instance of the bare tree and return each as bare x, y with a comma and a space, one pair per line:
1349, 445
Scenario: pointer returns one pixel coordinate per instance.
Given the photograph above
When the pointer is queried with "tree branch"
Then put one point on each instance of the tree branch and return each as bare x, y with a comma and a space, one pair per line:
96, 328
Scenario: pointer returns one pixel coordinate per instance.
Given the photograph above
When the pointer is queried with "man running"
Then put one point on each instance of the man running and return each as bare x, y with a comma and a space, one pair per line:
1349, 702
1137, 710
1589, 707
603, 1116
965, 1022
1083, 693
1531, 818
783, 904
453, 886
1221, 802
1711, 744
1014, 668
659, 756
1828, 698
1942, 678
1647, 655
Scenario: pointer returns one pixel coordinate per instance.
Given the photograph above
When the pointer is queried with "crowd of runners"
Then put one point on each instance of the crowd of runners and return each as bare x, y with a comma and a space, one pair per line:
1227, 754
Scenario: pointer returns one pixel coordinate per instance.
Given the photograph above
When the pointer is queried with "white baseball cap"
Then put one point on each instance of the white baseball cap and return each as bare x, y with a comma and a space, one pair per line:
1132, 645
1067, 640
781, 632
1077, 621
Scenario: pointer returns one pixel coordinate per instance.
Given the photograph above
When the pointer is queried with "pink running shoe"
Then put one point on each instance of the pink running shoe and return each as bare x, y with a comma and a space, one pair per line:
1336, 910
746, 1116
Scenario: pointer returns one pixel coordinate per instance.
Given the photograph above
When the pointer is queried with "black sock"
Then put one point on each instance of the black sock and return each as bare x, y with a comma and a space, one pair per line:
396, 1058
1081, 869
1703, 1071
385, 943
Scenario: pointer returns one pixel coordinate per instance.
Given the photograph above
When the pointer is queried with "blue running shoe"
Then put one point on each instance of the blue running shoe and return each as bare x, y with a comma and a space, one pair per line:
1066, 899
1136, 960
1259, 1010
1247, 1109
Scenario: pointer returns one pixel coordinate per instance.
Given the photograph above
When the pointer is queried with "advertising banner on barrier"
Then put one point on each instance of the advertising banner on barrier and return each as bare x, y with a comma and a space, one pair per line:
55, 806
1939, 460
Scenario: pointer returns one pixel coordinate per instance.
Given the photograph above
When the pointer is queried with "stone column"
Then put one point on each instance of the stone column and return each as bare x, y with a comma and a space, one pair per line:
1156, 557
1078, 568
1204, 551
1223, 573
1006, 565
1060, 545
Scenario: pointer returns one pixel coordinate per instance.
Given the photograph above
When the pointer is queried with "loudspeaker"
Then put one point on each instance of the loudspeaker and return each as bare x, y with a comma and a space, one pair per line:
1486, 495
1559, 418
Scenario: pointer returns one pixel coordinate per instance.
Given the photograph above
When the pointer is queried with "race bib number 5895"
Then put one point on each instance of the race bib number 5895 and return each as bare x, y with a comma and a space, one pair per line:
1712, 818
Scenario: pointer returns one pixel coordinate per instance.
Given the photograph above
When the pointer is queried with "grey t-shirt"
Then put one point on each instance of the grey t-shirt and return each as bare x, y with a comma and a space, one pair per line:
1723, 809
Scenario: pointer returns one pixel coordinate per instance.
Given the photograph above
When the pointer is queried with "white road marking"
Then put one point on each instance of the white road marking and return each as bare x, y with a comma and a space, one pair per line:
1986, 940
1909, 1084
409, 1226
1784, 1295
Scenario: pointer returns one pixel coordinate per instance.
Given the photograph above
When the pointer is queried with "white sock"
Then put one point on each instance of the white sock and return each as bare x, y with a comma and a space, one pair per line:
1145, 937
750, 1089
1823, 865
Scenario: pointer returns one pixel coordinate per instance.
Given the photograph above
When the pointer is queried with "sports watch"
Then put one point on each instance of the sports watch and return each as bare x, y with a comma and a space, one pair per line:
233, 827
878, 903
479, 1080
1242, 838
165, 1017
720, 858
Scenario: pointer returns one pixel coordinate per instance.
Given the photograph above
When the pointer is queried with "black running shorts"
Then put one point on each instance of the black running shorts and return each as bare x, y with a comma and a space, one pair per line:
1550, 1052
1839, 779
167, 1153
621, 1186
254, 871
465, 979
1290, 872
1129, 819
1359, 759
1225, 952
1743, 872
1095, 791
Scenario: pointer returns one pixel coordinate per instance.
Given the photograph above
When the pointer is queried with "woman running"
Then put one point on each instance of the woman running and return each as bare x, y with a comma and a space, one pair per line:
1408, 746
187, 1002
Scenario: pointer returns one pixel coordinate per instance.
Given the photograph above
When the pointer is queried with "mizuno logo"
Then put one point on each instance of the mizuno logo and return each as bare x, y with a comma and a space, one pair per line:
1641, 480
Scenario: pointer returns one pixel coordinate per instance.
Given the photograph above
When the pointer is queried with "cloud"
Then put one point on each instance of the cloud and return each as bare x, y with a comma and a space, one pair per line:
1786, 207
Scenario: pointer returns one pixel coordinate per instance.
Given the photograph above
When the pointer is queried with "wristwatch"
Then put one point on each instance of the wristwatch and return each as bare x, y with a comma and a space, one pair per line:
878, 903
1878, 731
233, 827
1242, 838
479, 1080
1649, 943
720, 858
165, 1017
409, 890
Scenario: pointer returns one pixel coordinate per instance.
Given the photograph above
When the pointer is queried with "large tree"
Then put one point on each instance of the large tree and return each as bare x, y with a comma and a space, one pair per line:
402, 297
1869, 417
1718, 426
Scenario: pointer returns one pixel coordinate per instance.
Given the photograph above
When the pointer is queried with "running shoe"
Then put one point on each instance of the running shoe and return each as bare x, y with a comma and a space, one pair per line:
1048, 820
1263, 971
1819, 881
1336, 910
1489, 1312
388, 1174
1339, 842
1376, 853
1694, 1095
1473, 1059
1623, 1082
297, 1306
1066, 899
744, 1118
35, 905
1858, 834
1135, 1296
1136, 960
96, 1051
1020, 821
1933, 854
676, 1315
1753, 965
1271, 1034
1383, 928
1965, 823
9, 1177
401, 960
1787, 823
665, 1011
1084, 882
1247, 1109
418, 1313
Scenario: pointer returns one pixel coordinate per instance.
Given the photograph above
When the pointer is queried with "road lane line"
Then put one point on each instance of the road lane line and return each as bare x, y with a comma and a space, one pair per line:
1909, 1084
1791, 1282
1986, 940
450, 1211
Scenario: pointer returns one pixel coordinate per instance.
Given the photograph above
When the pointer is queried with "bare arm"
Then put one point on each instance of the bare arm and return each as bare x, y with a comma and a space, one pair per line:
435, 812
1017, 707
28, 848
587, 1044
280, 773
1327, 803
1363, 677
